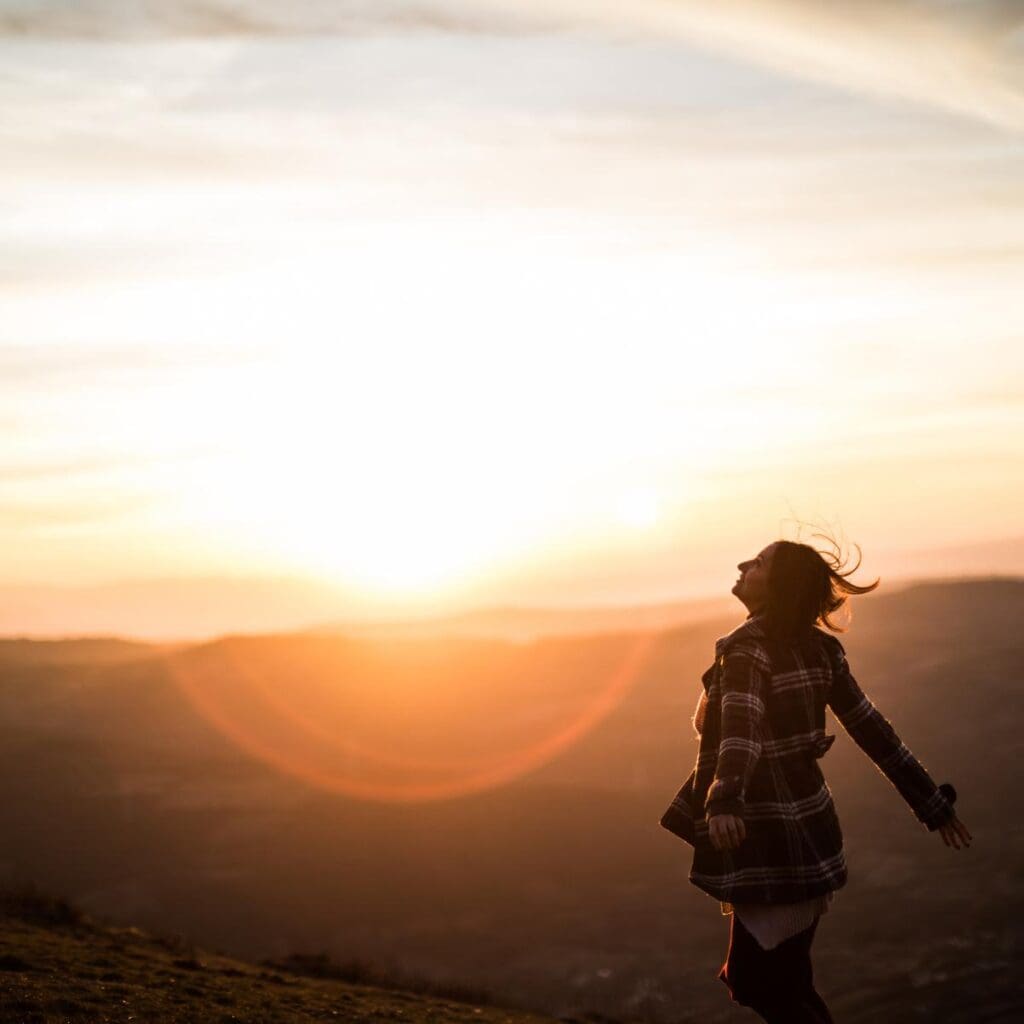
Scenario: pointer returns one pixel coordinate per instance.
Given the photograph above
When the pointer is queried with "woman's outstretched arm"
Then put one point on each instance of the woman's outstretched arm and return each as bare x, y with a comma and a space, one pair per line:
874, 734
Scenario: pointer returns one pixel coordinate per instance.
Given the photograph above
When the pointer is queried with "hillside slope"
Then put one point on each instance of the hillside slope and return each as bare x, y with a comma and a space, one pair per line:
78, 970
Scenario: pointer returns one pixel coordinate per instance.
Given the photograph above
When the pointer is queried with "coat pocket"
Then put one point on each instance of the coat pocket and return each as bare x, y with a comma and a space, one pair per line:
678, 816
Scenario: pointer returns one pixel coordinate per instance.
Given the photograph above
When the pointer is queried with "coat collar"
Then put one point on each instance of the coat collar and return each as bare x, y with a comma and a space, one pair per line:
752, 628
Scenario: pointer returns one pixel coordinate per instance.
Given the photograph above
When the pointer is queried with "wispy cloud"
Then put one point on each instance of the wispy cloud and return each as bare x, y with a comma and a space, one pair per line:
63, 514
23, 473
30, 364
963, 58
157, 18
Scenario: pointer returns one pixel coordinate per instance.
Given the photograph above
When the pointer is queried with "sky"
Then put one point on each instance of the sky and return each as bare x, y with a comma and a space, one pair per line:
478, 301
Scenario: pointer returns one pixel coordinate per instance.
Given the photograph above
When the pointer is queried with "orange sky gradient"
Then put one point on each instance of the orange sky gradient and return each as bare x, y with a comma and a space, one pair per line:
417, 307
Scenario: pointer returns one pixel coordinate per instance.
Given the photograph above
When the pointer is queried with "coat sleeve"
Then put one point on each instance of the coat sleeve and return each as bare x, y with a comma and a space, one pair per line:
874, 734
744, 676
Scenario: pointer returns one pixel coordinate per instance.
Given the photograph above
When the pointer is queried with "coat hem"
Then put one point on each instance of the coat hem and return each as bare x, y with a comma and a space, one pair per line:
779, 893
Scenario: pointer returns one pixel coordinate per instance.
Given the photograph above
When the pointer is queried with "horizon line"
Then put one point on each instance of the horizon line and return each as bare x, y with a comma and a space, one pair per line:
902, 584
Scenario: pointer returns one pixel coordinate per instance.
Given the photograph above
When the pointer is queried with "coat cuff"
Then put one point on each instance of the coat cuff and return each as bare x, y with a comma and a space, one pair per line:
725, 796
726, 805
939, 808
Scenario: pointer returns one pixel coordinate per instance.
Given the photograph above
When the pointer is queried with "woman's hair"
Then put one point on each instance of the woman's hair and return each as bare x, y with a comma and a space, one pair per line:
807, 586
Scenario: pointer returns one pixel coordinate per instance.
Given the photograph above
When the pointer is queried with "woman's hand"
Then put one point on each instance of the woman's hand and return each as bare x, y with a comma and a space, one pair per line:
954, 833
726, 831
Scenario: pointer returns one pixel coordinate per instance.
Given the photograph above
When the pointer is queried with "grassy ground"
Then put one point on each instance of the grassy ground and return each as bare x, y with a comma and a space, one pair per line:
56, 967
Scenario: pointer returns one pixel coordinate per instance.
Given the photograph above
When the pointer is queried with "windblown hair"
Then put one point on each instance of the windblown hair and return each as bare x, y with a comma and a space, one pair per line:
806, 587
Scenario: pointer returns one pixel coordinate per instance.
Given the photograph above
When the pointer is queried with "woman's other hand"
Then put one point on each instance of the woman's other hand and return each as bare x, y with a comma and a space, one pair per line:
954, 833
726, 831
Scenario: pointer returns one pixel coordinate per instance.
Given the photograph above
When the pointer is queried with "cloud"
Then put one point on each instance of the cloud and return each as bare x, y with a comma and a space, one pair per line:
64, 514
123, 19
962, 58
24, 364
33, 472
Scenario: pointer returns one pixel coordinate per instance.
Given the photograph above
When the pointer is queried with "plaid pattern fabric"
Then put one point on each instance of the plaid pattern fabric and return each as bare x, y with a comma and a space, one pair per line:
762, 736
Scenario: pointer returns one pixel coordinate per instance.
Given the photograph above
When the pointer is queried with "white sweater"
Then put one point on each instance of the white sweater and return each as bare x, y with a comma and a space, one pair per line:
772, 923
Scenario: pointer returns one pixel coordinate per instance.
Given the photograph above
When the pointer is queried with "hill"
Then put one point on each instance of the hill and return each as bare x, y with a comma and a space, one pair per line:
58, 966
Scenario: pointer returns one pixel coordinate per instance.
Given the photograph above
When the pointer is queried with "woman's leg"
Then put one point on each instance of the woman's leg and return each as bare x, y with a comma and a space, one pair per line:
776, 983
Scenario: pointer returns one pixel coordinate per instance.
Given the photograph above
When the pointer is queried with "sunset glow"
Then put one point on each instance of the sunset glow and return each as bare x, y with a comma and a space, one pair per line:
579, 308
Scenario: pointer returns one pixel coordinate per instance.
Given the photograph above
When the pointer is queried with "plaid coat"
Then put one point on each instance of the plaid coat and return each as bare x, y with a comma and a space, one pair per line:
762, 736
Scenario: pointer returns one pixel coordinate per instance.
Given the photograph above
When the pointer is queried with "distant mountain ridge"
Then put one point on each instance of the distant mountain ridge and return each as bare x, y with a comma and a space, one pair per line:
187, 609
519, 623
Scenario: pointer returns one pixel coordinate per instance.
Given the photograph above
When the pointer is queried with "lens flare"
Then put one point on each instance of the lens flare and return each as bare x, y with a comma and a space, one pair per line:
411, 720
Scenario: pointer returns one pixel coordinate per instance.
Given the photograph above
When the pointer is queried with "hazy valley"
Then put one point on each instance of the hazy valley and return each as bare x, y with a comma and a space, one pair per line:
551, 886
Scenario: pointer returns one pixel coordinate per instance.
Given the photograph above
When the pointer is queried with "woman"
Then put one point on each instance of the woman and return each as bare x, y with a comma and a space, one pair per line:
767, 843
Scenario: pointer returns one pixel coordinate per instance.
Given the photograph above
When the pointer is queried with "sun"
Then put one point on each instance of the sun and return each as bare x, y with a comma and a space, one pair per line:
639, 510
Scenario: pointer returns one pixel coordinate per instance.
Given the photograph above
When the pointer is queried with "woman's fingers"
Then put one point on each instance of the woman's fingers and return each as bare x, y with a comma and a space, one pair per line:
734, 832
715, 832
726, 831
961, 829
955, 833
717, 837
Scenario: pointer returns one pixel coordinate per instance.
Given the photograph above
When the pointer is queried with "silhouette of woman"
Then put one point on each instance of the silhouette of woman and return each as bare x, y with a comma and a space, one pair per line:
757, 810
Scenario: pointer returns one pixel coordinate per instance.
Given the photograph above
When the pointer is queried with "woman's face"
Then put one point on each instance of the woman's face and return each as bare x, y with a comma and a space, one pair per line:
752, 586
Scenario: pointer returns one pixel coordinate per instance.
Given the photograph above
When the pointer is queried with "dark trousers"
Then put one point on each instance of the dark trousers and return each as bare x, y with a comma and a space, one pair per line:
778, 983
